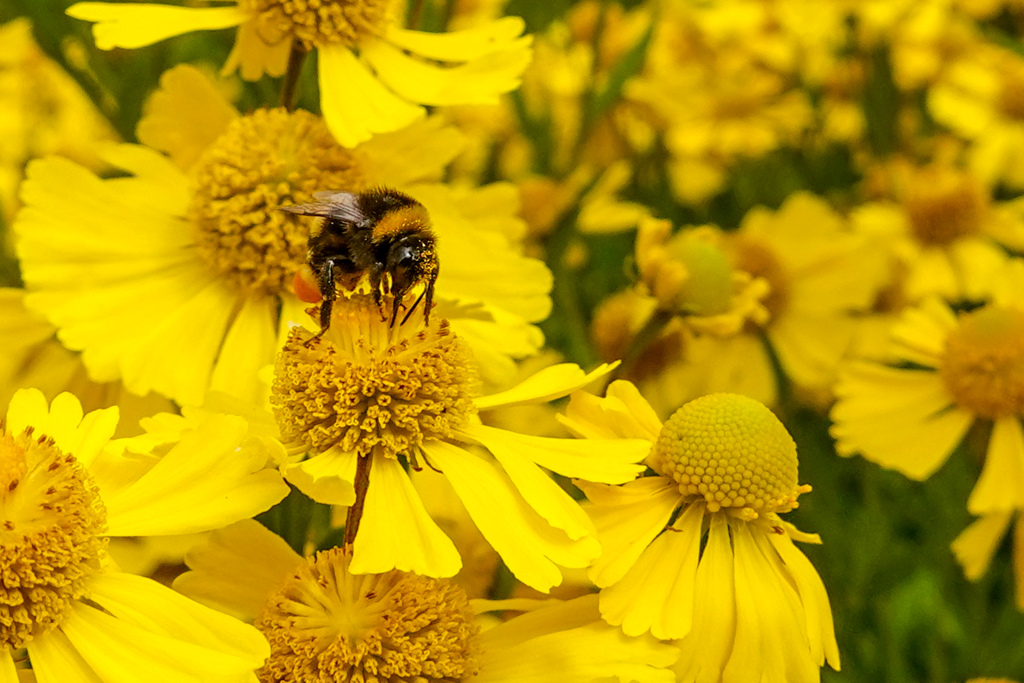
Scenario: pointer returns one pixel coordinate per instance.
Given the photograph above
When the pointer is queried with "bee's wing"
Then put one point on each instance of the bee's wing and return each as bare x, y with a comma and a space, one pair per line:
342, 206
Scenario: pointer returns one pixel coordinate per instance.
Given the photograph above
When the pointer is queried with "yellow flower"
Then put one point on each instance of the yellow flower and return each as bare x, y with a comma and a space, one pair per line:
945, 373
979, 98
33, 357
325, 623
389, 396
806, 277
697, 552
373, 74
177, 277
946, 236
65, 488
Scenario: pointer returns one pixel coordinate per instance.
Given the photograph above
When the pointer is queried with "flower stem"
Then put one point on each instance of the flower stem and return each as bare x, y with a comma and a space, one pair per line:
355, 512
290, 89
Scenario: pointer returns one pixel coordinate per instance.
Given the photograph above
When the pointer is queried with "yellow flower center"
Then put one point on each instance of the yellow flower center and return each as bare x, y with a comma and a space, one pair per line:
731, 451
50, 520
760, 261
322, 22
944, 205
707, 289
326, 625
368, 387
265, 160
983, 366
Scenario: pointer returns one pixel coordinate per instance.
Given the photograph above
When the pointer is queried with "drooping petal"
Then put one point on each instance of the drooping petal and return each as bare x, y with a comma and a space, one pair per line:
55, 660
212, 477
144, 629
527, 544
545, 385
326, 478
249, 346
396, 532
1001, 484
609, 461
657, 592
237, 568
8, 672
480, 81
459, 46
627, 518
137, 25
976, 544
354, 103
622, 413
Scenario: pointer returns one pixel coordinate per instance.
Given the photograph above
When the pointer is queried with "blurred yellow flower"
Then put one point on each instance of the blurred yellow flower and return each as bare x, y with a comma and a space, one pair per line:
373, 74
182, 270
977, 544
697, 552
945, 373
65, 488
326, 623
369, 396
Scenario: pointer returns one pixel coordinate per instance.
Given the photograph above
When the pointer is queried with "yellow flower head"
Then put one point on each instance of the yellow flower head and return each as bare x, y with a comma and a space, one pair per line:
65, 488
373, 74
406, 395
945, 372
326, 623
182, 270
697, 552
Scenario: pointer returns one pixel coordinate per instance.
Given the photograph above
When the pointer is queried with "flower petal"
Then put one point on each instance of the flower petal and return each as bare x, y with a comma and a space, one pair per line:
609, 461
657, 593
459, 46
977, 544
527, 544
479, 81
55, 660
237, 568
212, 477
326, 478
8, 672
137, 25
1001, 484
546, 385
396, 532
622, 413
249, 346
354, 103
627, 518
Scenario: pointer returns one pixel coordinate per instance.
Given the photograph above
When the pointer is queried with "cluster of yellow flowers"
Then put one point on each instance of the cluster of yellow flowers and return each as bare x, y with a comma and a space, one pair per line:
293, 451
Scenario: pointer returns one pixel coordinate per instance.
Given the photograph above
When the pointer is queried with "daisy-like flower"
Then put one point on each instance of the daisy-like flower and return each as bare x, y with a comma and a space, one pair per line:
945, 235
805, 278
177, 277
383, 395
945, 373
65, 488
697, 552
325, 623
373, 74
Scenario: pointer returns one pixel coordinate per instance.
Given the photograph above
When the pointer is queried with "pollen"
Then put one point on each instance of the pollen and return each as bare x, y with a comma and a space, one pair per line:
316, 23
50, 520
731, 451
983, 364
944, 205
264, 161
371, 388
326, 625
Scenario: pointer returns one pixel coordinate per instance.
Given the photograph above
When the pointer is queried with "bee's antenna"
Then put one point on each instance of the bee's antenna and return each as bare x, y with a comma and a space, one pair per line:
414, 305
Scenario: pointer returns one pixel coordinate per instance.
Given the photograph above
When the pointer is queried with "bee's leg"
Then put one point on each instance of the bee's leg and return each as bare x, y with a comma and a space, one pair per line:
376, 279
412, 308
429, 303
327, 289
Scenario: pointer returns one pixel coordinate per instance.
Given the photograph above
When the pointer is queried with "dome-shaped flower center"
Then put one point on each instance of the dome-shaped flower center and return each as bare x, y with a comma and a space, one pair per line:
322, 22
265, 160
983, 366
326, 625
708, 287
760, 261
50, 520
731, 451
368, 387
944, 205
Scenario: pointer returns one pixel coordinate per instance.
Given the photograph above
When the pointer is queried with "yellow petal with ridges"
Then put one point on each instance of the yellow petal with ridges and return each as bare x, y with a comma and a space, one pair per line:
137, 25
326, 478
1001, 484
546, 385
55, 660
459, 46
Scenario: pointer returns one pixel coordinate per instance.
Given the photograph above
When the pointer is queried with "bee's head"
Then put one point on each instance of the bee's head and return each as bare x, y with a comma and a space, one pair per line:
410, 260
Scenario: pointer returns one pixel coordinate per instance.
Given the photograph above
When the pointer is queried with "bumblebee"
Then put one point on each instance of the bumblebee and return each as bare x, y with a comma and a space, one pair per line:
380, 233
